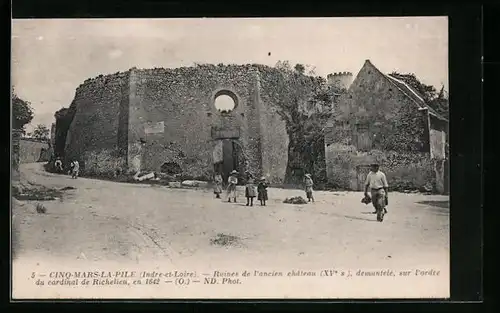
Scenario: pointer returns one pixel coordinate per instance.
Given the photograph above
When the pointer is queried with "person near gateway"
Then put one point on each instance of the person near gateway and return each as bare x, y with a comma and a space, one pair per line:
218, 185
250, 191
232, 181
376, 183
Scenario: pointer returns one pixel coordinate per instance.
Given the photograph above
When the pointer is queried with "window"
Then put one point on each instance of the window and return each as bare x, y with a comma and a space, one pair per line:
224, 104
225, 101
363, 136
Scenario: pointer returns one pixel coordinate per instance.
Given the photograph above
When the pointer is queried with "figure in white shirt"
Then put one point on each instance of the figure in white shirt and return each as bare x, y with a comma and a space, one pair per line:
75, 169
376, 182
58, 165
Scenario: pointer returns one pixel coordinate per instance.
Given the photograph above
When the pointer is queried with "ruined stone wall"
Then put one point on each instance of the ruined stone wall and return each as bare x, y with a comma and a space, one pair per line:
438, 130
31, 151
341, 80
437, 141
183, 100
53, 134
96, 136
275, 139
378, 123
141, 119
16, 138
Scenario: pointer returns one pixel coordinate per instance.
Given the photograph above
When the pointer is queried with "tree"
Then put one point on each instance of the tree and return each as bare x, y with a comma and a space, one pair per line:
441, 103
300, 68
295, 90
434, 99
22, 113
41, 132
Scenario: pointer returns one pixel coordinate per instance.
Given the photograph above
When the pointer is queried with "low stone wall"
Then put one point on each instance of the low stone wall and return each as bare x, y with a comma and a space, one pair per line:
31, 151
347, 168
16, 136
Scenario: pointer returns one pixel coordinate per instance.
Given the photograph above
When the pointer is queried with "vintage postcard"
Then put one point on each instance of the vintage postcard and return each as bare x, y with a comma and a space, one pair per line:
230, 158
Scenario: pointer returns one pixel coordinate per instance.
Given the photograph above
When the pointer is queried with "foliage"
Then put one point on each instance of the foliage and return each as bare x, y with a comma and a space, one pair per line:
300, 68
440, 103
436, 100
295, 200
22, 112
305, 104
41, 132
340, 170
103, 163
405, 133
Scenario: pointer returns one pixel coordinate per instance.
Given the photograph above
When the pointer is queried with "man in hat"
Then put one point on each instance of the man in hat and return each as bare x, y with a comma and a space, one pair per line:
376, 182
58, 165
232, 181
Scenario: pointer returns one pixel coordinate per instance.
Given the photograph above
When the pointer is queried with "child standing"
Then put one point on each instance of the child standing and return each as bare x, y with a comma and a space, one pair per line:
232, 181
308, 182
250, 190
262, 191
218, 185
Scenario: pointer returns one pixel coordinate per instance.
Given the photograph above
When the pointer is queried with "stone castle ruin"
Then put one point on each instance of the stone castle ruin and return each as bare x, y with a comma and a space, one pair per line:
343, 80
166, 120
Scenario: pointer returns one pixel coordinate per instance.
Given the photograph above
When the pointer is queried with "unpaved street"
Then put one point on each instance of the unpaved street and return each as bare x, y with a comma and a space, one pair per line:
128, 223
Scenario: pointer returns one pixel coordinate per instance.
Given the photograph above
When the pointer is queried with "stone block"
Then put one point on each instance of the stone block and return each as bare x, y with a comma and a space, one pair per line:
174, 184
194, 183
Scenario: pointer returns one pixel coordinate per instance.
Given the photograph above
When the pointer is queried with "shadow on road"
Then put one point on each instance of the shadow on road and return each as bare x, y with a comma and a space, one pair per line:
350, 217
444, 204
359, 218
441, 208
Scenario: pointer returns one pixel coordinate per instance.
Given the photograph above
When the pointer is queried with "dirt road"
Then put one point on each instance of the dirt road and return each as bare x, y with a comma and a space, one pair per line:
127, 223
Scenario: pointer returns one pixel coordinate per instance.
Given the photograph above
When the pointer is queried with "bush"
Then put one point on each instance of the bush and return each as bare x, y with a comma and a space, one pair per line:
295, 200
340, 171
103, 164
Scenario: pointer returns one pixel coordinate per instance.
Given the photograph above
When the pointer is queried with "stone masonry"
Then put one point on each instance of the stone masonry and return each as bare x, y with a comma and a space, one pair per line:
142, 119
381, 120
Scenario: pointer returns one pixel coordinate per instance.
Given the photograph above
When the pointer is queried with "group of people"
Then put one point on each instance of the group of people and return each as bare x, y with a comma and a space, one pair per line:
74, 167
252, 191
376, 189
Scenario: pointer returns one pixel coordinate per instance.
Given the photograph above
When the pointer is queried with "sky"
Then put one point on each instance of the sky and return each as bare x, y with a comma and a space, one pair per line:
52, 57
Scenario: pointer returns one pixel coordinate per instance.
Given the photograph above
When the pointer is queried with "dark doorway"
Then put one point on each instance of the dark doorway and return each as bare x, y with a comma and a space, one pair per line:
231, 159
171, 168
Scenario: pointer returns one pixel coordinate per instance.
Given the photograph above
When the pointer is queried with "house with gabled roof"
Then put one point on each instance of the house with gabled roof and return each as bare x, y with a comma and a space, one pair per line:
383, 119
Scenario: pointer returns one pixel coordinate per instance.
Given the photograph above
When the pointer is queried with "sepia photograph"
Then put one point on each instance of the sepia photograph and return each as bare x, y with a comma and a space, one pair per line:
230, 158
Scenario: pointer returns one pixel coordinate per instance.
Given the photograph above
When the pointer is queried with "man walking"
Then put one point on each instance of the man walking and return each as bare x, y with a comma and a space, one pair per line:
376, 182
58, 165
